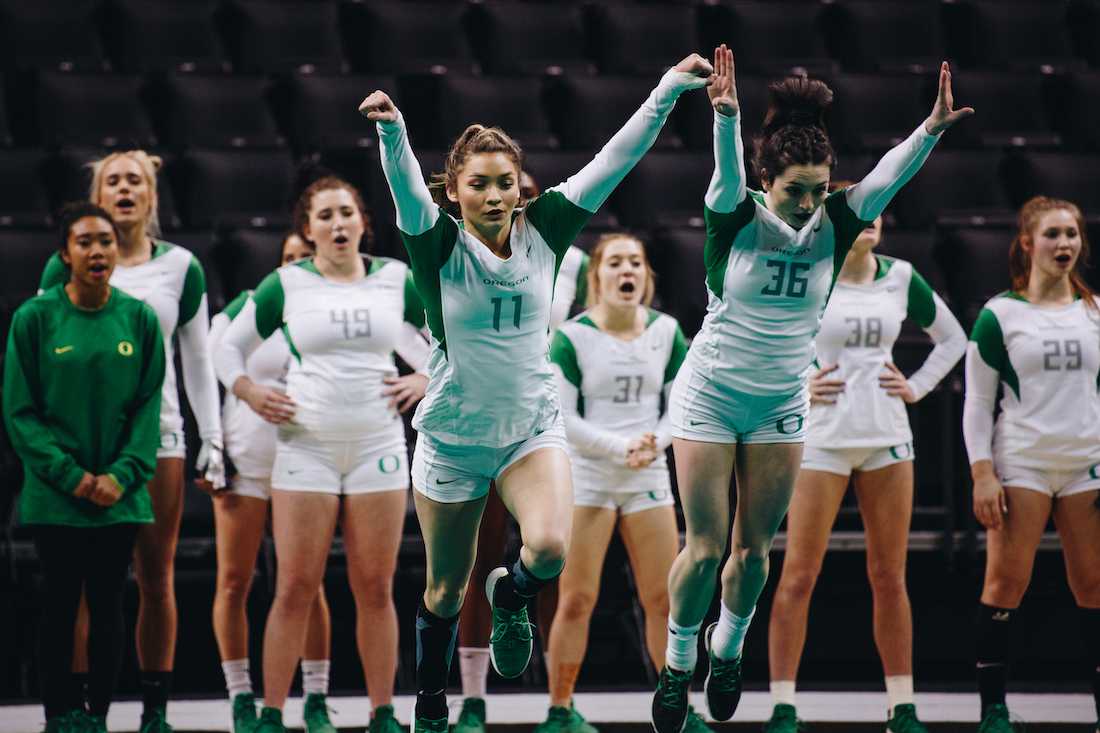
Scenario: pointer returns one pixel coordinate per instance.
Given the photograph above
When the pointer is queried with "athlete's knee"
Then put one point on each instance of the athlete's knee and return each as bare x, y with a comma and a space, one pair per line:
1005, 590
155, 581
887, 580
445, 599
296, 591
1086, 590
233, 586
654, 600
747, 561
797, 582
547, 550
576, 605
705, 553
372, 590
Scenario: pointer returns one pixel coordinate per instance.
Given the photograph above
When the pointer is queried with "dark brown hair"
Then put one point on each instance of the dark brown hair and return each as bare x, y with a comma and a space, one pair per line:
474, 139
282, 244
1019, 259
305, 201
70, 214
593, 295
794, 128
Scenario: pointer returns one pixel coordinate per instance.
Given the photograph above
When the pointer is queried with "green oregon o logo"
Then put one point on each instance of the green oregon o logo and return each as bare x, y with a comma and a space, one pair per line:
1093, 472
125, 348
901, 452
789, 424
389, 464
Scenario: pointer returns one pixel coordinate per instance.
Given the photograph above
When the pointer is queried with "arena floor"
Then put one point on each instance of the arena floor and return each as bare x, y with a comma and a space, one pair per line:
628, 712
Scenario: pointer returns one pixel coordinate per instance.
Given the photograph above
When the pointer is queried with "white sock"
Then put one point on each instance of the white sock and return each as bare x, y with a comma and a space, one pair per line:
783, 692
899, 691
473, 663
237, 679
729, 637
315, 676
683, 644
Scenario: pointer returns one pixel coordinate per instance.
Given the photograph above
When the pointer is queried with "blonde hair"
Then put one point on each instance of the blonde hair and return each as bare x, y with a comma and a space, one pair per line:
149, 165
592, 297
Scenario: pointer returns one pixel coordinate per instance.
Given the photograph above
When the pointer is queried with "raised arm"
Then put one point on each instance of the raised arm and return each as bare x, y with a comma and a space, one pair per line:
927, 308
727, 185
869, 197
416, 211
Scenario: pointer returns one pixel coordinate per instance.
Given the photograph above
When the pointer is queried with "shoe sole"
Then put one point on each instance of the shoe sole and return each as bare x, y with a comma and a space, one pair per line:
490, 585
683, 723
710, 669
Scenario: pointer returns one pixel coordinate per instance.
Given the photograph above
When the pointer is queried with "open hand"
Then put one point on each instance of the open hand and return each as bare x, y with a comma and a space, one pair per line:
722, 90
944, 113
378, 107
895, 383
406, 391
990, 503
823, 391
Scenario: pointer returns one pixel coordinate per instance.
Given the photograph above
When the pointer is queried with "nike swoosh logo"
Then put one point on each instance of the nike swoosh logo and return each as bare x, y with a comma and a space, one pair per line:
441, 483
62, 349
697, 422
296, 470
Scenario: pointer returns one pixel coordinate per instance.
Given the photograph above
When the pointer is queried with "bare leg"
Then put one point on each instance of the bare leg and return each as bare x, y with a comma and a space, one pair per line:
652, 542
239, 529
1078, 521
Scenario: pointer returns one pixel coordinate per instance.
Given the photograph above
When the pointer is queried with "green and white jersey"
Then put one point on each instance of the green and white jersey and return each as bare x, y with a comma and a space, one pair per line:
858, 331
1047, 361
341, 335
767, 282
612, 389
249, 439
571, 285
172, 282
491, 381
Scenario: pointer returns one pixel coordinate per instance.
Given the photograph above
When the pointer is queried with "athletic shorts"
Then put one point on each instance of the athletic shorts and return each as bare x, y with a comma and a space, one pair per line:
257, 488
172, 445
842, 461
701, 409
1054, 482
374, 461
626, 502
451, 474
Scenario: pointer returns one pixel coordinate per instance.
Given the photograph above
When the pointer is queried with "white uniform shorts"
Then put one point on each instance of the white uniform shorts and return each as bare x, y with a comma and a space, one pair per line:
842, 461
172, 445
451, 474
1054, 481
603, 484
701, 409
253, 486
374, 461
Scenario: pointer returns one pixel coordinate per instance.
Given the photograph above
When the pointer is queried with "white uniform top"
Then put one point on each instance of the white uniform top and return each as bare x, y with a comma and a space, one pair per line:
767, 282
858, 331
341, 335
249, 439
1048, 361
172, 282
612, 389
570, 286
491, 381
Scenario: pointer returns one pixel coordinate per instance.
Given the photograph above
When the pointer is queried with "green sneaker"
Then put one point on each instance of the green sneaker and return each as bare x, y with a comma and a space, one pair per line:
904, 720
424, 725
382, 721
244, 713
315, 714
695, 723
471, 719
561, 719
784, 720
995, 720
90, 723
669, 712
155, 722
270, 721
70, 722
511, 640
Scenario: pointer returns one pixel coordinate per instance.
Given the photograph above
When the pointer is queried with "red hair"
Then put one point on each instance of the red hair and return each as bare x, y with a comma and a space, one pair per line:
1019, 258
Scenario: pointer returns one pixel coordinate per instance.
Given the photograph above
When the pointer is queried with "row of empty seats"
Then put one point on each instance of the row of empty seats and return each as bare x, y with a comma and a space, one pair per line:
206, 188
504, 37
310, 112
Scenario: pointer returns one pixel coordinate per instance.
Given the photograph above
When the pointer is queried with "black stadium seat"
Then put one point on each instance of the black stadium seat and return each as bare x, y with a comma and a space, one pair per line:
664, 189
24, 252
201, 243
677, 257
167, 35
1072, 176
917, 248
325, 110
954, 186
769, 37
235, 188
514, 104
889, 35
1078, 110
50, 34
549, 168
1014, 110
975, 264
875, 110
591, 110
287, 35
93, 109
694, 117
644, 39
244, 257
1020, 34
219, 111
399, 37
530, 37
6, 138
24, 201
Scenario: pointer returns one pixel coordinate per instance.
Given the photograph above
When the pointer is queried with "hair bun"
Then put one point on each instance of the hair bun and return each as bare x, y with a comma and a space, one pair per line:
799, 101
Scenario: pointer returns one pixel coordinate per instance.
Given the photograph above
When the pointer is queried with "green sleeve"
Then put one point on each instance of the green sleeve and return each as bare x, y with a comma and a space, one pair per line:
54, 273
989, 339
428, 252
721, 231
414, 308
194, 287
922, 303
564, 355
137, 458
582, 281
557, 219
234, 306
676, 357
846, 226
269, 299
30, 434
